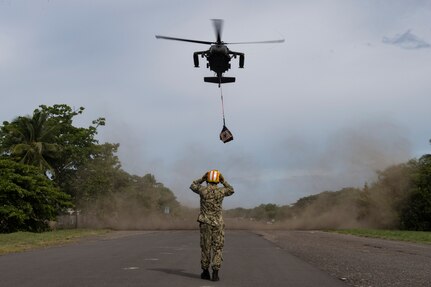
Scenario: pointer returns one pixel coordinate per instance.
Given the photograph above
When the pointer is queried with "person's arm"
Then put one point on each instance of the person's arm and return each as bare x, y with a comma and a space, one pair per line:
228, 189
196, 185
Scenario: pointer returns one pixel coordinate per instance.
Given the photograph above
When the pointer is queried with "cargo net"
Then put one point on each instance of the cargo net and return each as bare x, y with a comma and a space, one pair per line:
225, 134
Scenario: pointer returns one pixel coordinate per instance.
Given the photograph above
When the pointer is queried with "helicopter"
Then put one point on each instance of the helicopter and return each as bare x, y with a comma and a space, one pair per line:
218, 55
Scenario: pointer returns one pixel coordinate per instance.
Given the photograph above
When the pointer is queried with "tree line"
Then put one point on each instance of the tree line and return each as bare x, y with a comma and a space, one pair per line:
49, 166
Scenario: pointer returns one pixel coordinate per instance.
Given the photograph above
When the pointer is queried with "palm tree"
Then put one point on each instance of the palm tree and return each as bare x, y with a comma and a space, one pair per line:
30, 140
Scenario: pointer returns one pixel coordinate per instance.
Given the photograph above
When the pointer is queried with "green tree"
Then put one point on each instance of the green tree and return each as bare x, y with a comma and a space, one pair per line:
30, 140
50, 141
78, 144
416, 215
28, 199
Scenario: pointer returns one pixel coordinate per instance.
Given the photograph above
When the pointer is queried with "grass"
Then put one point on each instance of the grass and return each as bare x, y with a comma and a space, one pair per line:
22, 241
401, 235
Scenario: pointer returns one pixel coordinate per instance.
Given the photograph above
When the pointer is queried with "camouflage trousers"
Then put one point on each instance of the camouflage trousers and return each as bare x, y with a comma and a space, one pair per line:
212, 242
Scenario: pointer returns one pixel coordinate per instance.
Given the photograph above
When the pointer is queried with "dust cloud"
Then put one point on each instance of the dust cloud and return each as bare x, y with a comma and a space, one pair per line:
121, 213
360, 161
357, 179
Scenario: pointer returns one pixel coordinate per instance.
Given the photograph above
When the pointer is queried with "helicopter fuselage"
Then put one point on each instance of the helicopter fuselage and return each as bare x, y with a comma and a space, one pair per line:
218, 57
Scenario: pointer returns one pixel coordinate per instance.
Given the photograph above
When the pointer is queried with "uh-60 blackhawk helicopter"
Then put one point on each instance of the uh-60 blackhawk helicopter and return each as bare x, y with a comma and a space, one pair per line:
218, 55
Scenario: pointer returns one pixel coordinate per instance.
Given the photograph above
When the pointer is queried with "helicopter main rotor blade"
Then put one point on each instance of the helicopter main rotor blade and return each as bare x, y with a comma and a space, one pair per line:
258, 42
218, 27
184, 40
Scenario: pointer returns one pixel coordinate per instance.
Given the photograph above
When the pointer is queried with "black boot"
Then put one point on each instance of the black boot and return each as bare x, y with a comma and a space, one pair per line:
205, 274
215, 276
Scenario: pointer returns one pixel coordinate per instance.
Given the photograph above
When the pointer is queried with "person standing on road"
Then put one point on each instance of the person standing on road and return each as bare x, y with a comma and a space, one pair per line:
210, 220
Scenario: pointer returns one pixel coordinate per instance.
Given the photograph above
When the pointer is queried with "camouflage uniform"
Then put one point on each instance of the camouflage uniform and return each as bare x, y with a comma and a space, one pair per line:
211, 222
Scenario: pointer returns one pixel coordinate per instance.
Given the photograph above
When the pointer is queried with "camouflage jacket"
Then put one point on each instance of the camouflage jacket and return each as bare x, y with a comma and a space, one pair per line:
211, 201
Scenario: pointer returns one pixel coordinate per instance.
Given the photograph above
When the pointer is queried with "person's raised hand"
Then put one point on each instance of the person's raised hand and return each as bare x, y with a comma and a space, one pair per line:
205, 177
221, 178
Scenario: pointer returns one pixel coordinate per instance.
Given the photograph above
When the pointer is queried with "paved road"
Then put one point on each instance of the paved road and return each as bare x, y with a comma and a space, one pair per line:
362, 262
165, 258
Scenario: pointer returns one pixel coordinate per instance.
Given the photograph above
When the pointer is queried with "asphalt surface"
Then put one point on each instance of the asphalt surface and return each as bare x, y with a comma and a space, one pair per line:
359, 261
162, 258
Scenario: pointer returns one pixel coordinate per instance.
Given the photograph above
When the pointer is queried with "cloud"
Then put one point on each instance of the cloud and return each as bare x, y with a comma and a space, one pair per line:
407, 40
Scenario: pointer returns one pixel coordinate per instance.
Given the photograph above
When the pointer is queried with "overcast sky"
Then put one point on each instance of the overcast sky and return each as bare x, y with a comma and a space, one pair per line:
347, 94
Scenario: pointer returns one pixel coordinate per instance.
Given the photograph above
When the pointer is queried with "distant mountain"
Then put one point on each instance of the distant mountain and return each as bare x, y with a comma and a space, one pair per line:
407, 40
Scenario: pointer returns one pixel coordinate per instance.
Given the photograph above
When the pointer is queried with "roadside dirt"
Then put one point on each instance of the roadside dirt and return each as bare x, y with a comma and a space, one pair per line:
359, 261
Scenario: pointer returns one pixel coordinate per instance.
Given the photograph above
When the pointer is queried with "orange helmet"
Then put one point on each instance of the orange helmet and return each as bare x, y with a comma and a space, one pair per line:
213, 176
